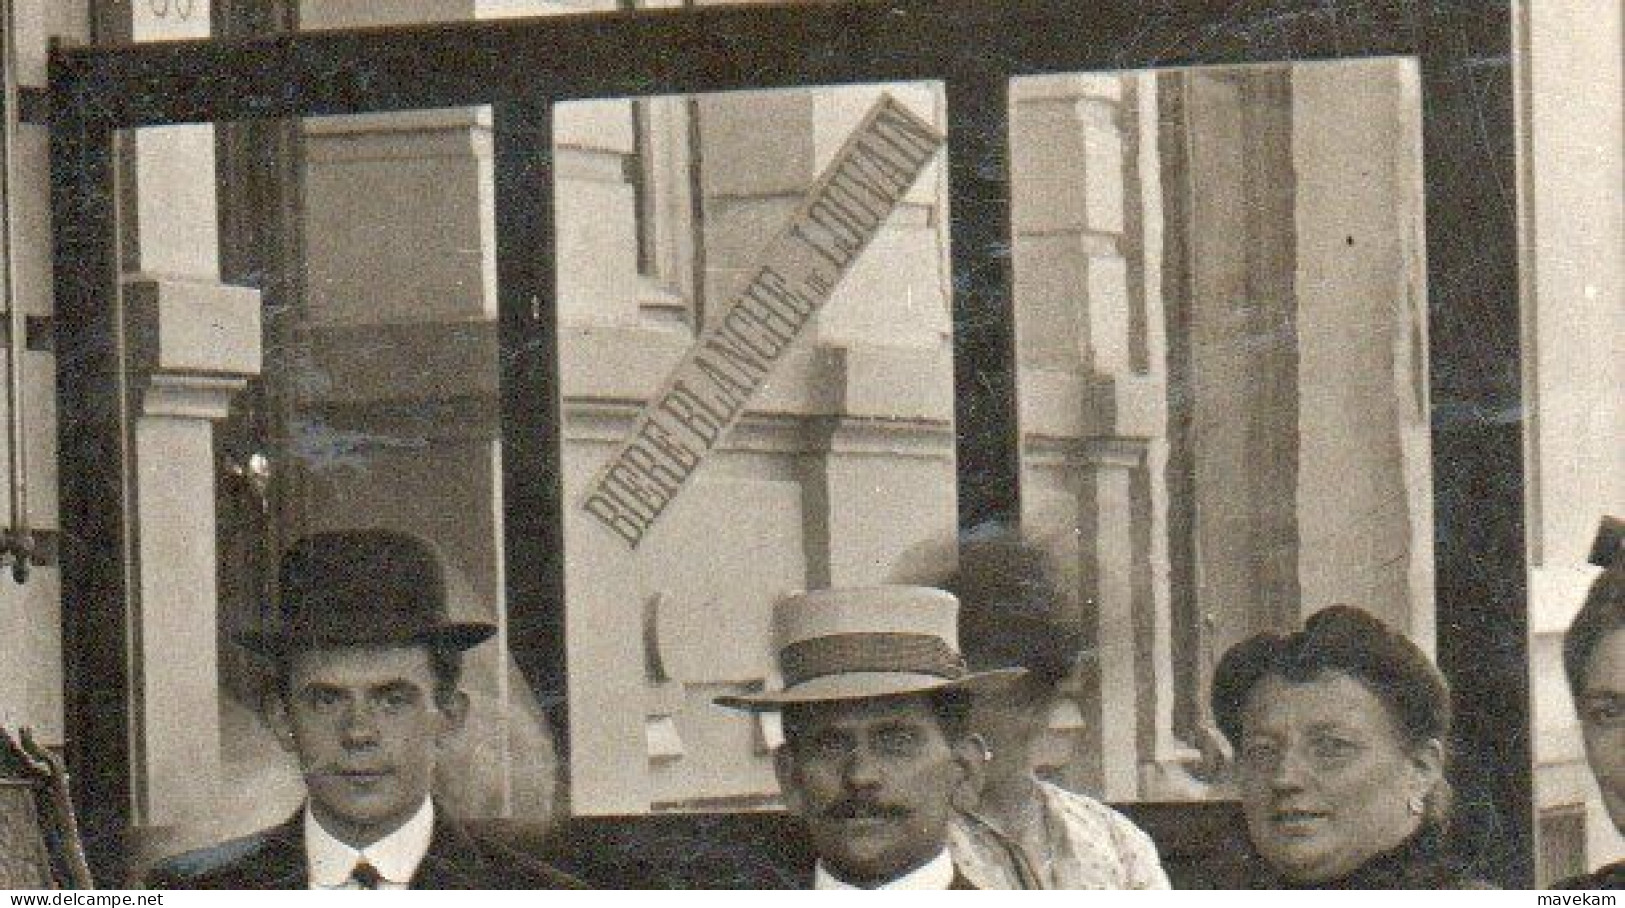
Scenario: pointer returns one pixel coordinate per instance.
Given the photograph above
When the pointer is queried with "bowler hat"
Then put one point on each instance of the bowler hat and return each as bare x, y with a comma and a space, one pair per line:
858, 643
362, 588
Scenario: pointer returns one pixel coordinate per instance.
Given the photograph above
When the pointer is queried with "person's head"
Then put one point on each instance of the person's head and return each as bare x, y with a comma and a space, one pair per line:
1013, 612
1340, 733
366, 671
878, 754
878, 779
1594, 660
366, 725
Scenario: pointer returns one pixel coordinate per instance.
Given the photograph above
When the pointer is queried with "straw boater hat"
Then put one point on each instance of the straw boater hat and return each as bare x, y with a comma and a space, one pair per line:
362, 588
881, 641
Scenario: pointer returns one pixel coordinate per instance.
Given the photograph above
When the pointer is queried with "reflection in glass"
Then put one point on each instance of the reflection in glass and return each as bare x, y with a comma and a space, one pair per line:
365, 396
667, 208
1221, 319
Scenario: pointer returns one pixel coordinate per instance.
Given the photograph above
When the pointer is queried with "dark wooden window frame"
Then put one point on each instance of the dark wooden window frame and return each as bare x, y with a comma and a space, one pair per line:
523, 67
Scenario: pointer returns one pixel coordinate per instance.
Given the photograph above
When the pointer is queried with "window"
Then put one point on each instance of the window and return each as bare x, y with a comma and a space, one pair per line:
501, 306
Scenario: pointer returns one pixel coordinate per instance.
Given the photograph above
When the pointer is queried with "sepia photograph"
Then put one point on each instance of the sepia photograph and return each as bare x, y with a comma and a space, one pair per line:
841, 444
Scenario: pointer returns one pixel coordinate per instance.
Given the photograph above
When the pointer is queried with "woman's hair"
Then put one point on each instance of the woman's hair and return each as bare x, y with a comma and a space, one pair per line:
1341, 639
1012, 609
1604, 608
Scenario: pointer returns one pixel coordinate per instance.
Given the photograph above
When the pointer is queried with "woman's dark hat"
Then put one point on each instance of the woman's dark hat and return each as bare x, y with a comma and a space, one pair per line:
362, 588
1604, 608
1339, 639
1608, 549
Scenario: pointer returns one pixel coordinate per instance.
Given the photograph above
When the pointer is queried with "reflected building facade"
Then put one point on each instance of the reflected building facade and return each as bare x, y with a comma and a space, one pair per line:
1222, 330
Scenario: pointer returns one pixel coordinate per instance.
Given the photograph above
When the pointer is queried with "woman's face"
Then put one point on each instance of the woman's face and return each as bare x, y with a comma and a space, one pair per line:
1010, 721
1602, 716
1327, 781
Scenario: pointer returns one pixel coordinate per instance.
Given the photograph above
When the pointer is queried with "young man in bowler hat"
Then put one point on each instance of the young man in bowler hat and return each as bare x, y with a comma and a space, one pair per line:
367, 670
877, 754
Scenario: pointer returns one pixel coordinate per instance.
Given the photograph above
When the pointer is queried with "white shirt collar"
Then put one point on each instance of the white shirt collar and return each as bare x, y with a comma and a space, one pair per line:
937, 873
395, 856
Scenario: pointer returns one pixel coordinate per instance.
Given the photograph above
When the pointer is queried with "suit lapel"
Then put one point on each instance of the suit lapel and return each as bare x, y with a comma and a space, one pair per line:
453, 860
280, 861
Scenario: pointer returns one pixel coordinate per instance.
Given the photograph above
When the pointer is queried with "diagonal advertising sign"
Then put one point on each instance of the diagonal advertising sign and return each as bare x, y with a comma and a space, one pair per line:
705, 395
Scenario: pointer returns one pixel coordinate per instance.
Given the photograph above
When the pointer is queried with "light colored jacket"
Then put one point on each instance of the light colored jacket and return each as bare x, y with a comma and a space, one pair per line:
1090, 846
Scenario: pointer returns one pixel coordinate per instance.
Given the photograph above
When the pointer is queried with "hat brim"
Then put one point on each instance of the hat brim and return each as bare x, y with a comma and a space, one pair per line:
868, 685
450, 635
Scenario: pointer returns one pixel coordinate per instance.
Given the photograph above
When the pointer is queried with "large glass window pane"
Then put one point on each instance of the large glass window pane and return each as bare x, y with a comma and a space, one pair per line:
342, 349
1221, 316
668, 210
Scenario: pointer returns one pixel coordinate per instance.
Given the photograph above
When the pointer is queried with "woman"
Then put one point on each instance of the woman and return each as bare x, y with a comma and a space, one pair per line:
1025, 833
1339, 732
1594, 661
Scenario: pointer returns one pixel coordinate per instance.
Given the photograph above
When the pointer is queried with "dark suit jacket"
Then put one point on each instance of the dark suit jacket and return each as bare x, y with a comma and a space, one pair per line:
1422, 862
275, 859
1610, 877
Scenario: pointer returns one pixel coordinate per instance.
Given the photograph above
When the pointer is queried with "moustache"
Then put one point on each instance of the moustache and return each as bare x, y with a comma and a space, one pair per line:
862, 809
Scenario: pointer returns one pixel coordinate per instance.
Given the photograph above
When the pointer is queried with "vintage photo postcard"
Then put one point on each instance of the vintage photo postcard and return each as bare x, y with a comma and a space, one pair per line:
917, 444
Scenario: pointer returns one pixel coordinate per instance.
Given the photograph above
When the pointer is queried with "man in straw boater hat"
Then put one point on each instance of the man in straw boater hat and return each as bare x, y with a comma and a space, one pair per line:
366, 691
877, 752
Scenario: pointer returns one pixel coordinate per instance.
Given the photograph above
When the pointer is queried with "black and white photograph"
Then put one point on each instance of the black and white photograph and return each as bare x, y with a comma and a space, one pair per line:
838, 444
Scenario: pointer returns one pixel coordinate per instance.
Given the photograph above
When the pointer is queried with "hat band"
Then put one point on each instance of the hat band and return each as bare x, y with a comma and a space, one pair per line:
805, 660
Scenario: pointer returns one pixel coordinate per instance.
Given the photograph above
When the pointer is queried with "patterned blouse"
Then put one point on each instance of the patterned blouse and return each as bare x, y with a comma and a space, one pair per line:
1089, 846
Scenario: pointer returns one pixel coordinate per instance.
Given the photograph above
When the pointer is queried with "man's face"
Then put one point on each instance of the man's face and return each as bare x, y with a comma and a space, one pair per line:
1602, 719
875, 781
365, 726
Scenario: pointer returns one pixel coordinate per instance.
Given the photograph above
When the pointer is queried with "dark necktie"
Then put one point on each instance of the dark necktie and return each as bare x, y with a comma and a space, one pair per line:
366, 876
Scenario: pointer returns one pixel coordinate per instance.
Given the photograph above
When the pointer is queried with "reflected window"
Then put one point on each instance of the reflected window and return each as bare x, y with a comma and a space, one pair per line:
841, 459
1221, 311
